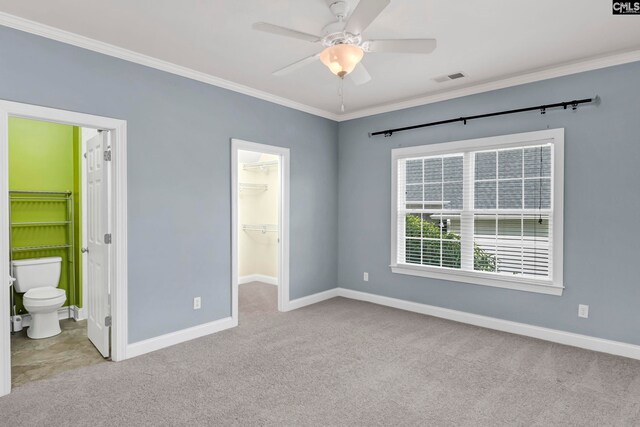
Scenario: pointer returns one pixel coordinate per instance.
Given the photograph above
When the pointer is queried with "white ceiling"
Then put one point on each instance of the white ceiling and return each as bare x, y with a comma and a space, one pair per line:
487, 40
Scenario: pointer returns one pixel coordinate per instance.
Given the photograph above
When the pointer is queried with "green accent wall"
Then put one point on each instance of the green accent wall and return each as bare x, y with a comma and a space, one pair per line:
46, 157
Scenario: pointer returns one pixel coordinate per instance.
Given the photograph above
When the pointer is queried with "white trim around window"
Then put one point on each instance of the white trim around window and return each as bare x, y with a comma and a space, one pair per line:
551, 282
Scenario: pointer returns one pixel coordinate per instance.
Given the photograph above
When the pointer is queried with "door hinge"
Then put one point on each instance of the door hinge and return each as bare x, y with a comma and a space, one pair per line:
107, 321
107, 156
107, 239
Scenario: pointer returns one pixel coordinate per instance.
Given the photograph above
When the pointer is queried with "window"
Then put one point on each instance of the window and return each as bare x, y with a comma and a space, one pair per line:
485, 211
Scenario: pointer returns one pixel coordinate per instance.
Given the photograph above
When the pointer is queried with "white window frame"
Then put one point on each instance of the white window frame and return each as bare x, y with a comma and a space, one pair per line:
552, 286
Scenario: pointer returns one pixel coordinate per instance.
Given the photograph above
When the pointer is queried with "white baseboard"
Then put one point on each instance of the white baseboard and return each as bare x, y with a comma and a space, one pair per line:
552, 335
80, 314
63, 313
173, 338
561, 337
270, 280
311, 299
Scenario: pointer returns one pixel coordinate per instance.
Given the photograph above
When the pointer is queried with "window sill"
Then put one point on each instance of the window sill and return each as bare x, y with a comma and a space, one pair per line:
521, 284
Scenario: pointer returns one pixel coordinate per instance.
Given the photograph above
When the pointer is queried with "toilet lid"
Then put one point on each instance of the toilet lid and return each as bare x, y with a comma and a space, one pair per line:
46, 292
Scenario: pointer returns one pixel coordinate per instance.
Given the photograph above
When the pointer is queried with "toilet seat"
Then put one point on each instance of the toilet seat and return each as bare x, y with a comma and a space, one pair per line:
44, 293
45, 296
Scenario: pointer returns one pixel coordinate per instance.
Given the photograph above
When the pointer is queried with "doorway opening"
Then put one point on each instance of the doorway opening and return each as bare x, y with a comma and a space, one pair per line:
260, 224
63, 306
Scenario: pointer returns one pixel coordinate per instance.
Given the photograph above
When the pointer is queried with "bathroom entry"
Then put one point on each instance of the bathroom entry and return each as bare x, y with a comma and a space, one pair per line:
58, 206
260, 227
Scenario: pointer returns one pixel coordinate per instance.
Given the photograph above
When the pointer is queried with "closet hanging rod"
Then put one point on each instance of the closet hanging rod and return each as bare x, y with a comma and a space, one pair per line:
542, 108
248, 186
260, 165
264, 228
61, 193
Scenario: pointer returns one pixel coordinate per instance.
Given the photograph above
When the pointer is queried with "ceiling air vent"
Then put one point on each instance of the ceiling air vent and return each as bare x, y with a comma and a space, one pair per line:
454, 76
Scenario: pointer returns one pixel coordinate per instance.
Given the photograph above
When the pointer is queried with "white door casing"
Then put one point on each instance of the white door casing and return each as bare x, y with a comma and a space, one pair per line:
119, 259
283, 221
97, 287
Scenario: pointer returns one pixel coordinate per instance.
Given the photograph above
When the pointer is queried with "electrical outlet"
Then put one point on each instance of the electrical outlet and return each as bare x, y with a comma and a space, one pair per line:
583, 311
197, 303
365, 276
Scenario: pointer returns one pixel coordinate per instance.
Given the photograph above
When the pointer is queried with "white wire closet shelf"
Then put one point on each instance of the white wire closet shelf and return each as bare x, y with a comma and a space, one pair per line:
261, 166
263, 228
244, 186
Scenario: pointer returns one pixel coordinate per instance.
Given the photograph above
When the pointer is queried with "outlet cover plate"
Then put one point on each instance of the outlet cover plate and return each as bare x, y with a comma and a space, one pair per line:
197, 303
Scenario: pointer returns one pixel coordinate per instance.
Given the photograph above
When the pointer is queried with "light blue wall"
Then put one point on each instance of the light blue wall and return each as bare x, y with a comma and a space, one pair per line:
602, 202
179, 187
179, 135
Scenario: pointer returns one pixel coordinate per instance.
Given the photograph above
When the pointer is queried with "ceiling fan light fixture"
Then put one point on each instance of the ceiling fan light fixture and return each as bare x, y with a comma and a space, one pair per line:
342, 58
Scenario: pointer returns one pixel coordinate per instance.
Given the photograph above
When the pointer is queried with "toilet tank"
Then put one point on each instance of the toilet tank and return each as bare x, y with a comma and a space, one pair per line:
36, 273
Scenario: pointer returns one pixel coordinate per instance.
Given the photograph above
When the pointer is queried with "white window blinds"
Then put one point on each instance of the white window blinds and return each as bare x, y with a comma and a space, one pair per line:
483, 210
512, 210
432, 208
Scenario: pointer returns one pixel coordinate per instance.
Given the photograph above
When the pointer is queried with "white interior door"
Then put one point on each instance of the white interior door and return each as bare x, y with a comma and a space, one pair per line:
97, 213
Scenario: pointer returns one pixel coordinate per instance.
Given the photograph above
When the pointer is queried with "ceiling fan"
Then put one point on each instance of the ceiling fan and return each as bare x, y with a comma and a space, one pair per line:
343, 44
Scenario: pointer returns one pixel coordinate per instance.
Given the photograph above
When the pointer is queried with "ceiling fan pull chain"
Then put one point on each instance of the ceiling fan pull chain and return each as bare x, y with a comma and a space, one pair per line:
342, 94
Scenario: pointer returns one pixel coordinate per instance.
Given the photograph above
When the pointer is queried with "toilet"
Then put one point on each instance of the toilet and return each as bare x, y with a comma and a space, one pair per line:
38, 280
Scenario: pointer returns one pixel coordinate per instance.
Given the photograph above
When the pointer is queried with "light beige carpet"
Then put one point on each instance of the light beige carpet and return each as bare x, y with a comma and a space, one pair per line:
340, 362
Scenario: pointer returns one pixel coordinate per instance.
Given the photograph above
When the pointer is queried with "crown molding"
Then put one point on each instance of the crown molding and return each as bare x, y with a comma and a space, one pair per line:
565, 69
67, 37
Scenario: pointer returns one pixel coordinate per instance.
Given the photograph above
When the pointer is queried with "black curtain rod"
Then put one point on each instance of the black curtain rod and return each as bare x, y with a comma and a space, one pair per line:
542, 108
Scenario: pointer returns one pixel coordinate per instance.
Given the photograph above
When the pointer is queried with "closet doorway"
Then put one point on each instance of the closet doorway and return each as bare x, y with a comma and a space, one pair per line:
260, 226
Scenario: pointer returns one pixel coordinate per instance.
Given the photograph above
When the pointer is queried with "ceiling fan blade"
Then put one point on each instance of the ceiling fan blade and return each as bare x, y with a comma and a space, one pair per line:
298, 64
360, 75
400, 46
364, 14
282, 31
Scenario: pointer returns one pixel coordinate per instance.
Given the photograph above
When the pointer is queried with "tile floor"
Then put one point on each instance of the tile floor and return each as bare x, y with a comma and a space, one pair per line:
45, 358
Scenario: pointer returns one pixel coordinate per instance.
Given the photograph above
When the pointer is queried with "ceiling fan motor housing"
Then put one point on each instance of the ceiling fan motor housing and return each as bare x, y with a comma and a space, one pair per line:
341, 37
334, 32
